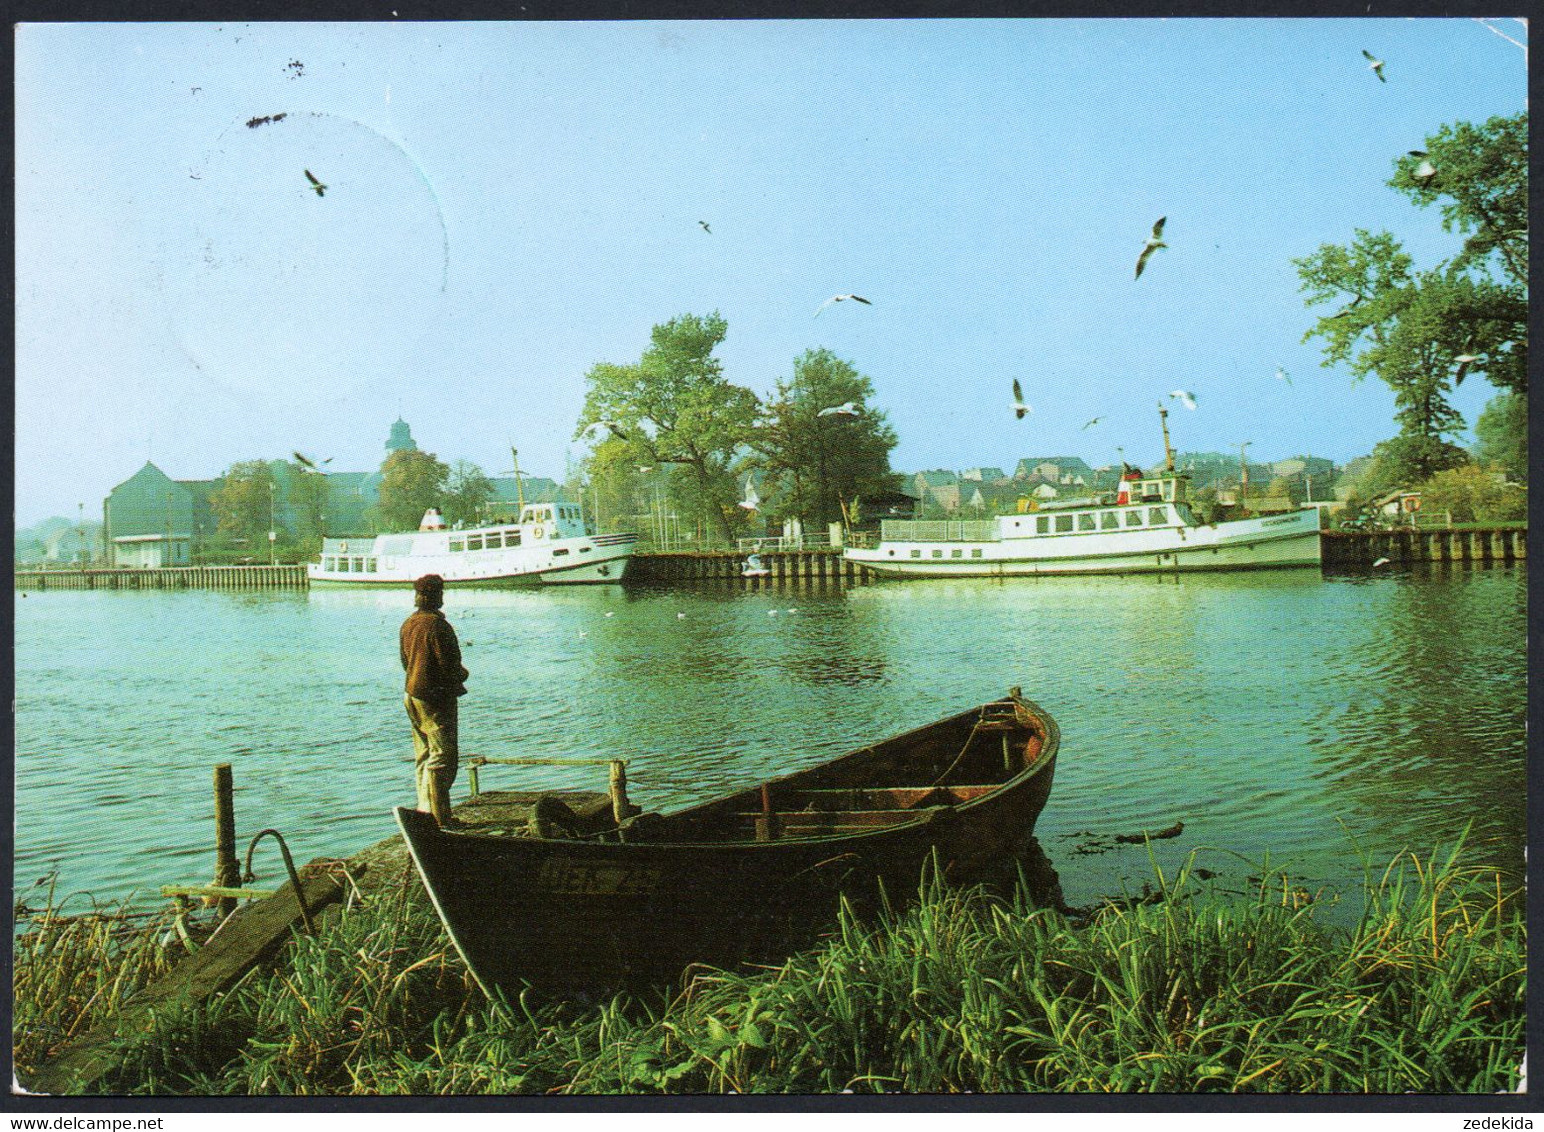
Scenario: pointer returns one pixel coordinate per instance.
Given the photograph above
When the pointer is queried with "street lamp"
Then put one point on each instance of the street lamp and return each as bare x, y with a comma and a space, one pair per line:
272, 535
80, 536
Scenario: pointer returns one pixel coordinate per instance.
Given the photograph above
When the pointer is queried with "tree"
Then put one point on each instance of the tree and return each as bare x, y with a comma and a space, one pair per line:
1502, 432
820, 464
307, 494
244, 502
1423, 332
411, 482
467, 489
1473, 495
674, 406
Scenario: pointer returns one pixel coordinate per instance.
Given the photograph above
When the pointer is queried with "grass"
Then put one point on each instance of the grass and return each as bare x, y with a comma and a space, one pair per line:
1193, 991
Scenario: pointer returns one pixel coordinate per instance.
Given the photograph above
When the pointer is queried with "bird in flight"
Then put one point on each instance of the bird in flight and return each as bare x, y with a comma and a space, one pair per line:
1380, 562
1374, 64
840, 298
703, 224
1093, 422
615, 431
321, 189
1154, 242
311, 465
1464, 362
1019, 407
846, 409
1282, 375
1186, 399
751, 499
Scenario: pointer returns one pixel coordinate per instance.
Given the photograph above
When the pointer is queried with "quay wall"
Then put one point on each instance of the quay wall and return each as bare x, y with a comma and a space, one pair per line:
166, 578
1484, 544
816, 565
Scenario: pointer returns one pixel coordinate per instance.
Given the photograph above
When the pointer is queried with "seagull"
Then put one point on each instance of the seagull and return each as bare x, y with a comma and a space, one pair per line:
751, 498
1093, 422
840, 298
846, 409
1380, 562
703, 224
1019, 407
1186, 399
321, 189
615, 431
310, 464
680, 617
1282, 375
1375, 65
1154, 242
1464, 361
611, 614
1425, 171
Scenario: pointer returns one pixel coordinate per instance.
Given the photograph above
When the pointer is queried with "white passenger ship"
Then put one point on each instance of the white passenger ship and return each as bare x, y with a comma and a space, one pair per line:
552, 544
1147, 527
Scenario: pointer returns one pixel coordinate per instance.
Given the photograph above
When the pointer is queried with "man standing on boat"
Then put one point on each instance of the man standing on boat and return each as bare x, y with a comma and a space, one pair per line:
431, 657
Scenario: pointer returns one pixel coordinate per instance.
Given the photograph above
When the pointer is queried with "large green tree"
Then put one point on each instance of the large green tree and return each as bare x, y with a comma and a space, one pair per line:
467, 489
820, 464
1423, 332
411, 482
673, 406
1502, 433
246, 501
307, 494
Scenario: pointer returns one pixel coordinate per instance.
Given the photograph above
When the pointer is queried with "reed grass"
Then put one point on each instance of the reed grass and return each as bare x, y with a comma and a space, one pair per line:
1197, 990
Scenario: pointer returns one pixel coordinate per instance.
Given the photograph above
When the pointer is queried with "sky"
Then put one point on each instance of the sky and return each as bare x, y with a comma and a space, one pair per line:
503, 205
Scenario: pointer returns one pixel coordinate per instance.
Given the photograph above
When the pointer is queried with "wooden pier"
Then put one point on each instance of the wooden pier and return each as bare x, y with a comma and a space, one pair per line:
1354, 549
167, 578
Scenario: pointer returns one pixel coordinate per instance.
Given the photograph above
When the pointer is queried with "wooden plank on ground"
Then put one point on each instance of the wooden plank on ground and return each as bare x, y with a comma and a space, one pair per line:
249, 938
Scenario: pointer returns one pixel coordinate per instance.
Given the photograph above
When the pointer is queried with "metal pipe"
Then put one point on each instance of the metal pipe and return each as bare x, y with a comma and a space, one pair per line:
289, 865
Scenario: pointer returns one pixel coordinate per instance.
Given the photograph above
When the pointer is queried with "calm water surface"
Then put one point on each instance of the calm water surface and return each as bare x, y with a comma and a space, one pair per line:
1305, 717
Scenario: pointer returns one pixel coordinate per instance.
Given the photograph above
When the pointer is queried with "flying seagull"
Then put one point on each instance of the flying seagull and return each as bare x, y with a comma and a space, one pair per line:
1464, 362
1425, 171
615, 431
1186, 399
751, 498
1093, 422
1380, 562
846, 409
1282, 375
321, 189
1154, 242
703, 224
1019, 407
1374, 64
310, 464
840, 298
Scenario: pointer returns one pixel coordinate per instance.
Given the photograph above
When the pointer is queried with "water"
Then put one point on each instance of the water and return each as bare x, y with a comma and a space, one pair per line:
1305, 717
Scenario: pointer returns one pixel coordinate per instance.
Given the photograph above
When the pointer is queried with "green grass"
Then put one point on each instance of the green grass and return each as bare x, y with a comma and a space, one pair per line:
1197, 991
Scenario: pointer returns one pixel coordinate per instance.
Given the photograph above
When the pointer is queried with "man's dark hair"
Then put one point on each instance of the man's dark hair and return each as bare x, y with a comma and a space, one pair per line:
429, 592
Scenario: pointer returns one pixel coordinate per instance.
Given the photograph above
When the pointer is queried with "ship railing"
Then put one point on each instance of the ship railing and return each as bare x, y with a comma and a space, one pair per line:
938, 530
781, 542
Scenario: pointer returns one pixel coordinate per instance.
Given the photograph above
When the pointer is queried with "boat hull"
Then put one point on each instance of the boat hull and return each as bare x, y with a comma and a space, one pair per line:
1283, 542
601, 565
562, 914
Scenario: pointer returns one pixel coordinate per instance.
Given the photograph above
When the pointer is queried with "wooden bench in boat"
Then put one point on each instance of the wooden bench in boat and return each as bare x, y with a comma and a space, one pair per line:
832, 811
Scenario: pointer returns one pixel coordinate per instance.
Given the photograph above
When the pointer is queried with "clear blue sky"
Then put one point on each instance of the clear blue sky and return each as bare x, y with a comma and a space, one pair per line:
508, 204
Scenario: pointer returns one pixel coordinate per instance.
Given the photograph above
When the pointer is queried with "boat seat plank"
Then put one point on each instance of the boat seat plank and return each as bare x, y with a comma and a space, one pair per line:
880, 798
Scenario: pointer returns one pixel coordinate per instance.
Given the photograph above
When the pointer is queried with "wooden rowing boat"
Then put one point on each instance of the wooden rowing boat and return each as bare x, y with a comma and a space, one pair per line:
742, 876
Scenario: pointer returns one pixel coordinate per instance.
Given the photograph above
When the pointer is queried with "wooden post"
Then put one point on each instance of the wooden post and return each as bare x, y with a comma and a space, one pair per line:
620, 809
227, 873
471, 777
766, 828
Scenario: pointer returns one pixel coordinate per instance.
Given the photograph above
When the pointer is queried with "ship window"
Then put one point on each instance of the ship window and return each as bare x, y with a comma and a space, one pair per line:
511, 538
474, 542
938, 554
585, 549
1063, 524
1157, 516
1109, 521
560, 552
369, 565
1086, 522
916, 554
1133, 518
492, 540
457, 544
1042, 524
956, 554
975, 552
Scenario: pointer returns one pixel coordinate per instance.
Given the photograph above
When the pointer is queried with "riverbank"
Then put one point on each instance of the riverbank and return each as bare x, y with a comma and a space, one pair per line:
1187, 989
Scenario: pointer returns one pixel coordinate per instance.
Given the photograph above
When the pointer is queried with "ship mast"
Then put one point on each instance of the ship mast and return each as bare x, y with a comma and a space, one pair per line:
519, 487
1168, 452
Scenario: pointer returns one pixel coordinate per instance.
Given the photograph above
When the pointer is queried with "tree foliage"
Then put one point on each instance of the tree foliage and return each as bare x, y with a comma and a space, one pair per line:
1424, 332
816, 466
1473, 495
674, 406
244, 502
467, 490
1502, 433
411, 482
306, 492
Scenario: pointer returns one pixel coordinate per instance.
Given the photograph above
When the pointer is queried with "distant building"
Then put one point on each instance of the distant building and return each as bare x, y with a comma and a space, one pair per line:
1058, 469
401, 438
982, 475
152, 520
